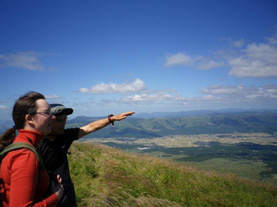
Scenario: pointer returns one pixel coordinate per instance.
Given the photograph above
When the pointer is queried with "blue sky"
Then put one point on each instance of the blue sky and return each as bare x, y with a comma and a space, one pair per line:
112, 56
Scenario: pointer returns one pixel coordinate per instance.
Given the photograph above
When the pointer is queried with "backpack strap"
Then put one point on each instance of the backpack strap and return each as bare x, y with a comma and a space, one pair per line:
21, 145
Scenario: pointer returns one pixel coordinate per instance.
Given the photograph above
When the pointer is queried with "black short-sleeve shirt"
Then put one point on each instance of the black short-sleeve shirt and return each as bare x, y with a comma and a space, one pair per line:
54, 155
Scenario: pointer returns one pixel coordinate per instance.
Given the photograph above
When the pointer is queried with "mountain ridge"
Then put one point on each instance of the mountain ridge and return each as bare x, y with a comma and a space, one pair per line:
202, 113
217, 123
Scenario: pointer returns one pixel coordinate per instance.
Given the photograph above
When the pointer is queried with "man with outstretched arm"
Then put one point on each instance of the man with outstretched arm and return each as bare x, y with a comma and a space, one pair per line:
54, 147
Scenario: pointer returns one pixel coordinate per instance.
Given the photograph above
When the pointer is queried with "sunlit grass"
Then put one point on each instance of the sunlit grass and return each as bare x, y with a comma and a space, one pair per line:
243, 168
105, 176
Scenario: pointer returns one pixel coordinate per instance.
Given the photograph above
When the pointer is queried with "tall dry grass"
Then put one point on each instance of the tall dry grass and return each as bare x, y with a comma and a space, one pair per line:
104, 176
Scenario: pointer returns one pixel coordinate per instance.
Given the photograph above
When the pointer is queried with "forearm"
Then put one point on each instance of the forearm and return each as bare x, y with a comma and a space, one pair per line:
94, 126
99, 124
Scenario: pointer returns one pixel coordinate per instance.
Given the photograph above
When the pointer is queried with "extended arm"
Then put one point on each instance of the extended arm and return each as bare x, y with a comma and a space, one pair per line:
99, 124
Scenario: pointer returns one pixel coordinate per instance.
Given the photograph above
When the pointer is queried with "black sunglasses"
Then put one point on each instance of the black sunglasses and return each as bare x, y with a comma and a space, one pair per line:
61, 118
46, 113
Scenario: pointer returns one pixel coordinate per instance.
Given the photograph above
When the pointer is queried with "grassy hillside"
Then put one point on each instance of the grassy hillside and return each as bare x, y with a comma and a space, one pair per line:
105, 176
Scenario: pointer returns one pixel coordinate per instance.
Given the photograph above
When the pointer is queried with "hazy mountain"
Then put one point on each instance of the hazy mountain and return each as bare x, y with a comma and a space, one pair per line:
214, 123
201, 113
184, 122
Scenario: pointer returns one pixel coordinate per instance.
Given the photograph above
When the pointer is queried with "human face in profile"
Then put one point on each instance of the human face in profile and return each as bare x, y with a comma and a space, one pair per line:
43, 117
58, 124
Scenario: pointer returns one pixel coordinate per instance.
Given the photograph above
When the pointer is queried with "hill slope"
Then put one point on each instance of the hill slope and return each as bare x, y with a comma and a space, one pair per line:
105, 176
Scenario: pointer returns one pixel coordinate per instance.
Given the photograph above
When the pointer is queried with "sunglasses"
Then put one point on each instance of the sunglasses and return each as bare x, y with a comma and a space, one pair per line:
46, 113
61, 118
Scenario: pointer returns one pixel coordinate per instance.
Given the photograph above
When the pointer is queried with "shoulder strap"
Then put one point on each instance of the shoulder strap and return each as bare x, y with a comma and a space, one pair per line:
20, 145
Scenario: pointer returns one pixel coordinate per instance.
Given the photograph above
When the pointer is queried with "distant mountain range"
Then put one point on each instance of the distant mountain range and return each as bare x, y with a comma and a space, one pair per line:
196, 122
185, 122
201, 113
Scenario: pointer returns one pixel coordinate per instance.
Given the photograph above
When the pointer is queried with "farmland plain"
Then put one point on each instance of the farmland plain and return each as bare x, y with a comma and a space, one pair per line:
247, 155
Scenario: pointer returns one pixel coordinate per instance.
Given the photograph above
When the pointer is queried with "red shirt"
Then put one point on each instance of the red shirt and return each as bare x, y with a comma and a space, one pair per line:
19, 170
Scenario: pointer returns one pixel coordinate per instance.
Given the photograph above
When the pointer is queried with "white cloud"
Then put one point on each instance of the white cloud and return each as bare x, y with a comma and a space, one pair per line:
212, 97
256, 61
198, 62
220, 90
238, 43
242, 93
102, 88
3, 107
52, 97
154, 97
167, 98
272, 40
233, 43
253, 61
179, 58
26, 60
224, 96
206, 64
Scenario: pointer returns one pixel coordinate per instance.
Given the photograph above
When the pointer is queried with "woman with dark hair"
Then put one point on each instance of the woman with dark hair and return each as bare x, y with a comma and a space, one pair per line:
24, 183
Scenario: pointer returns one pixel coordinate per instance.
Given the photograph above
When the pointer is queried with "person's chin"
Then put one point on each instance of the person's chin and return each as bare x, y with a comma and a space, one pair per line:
46, 132
61, 131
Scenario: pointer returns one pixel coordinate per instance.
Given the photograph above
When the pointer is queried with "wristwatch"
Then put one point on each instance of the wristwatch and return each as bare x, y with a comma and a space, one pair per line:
110, 120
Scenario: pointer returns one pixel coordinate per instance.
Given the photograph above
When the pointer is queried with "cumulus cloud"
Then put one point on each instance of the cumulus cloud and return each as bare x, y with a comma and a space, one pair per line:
212, 97
238, 43
3, 107
252, 61
178, 58
102, 88
206, 64
215, 94
167, 97
220, 90
233, 43
26, 60
272, 40
256, 61
52, 97
154, 97
198, 62
243, 93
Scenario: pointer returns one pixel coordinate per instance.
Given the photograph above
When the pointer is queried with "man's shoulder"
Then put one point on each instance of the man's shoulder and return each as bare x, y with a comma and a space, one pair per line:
71, 132
71, 129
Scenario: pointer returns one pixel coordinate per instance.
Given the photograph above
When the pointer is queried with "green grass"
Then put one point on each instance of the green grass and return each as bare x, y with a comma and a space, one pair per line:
106, 176
242, 168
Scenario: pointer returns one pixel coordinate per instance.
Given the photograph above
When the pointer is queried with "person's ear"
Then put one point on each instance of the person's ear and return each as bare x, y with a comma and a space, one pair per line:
29, 119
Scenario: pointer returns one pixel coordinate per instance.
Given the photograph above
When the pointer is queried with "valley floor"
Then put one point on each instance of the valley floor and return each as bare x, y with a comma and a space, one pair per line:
248, 155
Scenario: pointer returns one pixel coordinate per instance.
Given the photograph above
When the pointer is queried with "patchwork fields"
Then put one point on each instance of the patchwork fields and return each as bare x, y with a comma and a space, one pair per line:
248, 155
